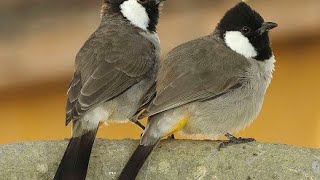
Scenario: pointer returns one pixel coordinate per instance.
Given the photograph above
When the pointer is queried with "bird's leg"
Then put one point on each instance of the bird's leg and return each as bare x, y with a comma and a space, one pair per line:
171, 137
140, 125
234, 140
135, 121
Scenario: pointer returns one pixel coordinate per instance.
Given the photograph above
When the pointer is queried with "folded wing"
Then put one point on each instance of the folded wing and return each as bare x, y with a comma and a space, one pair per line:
108, 64
196, 71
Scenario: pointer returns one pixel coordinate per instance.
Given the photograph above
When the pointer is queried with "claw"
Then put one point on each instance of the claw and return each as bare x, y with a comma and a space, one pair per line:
171, 137
234, 140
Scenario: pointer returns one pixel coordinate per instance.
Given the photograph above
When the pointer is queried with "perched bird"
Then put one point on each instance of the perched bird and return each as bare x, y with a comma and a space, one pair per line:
211, 86
115, 71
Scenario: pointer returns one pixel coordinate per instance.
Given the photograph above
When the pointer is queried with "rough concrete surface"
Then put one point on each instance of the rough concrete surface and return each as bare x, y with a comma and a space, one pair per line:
172, 159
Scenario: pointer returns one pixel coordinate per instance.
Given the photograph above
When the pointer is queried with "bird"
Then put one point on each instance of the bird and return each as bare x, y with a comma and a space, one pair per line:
211, 86
115, 73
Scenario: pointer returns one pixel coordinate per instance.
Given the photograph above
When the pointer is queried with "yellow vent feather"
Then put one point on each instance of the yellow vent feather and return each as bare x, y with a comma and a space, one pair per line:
180, 125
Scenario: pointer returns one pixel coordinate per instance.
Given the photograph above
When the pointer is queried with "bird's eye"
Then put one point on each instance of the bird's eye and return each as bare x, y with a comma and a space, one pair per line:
142, 1
245, 30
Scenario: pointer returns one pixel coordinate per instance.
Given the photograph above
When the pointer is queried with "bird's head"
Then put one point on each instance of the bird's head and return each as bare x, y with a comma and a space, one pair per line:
141, 13
245, 31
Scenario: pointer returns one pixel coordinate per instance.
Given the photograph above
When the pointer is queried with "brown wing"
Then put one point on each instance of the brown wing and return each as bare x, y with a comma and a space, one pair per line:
195, 71
108, 64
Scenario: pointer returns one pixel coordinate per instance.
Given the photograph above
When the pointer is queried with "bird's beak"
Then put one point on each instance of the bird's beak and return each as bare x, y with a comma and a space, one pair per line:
266, 26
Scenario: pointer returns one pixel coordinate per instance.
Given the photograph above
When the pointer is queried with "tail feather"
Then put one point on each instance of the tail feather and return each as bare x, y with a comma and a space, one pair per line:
136, 161
74, 164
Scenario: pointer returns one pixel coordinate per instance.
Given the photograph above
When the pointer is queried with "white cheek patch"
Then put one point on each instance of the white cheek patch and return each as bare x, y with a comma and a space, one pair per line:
240, 44
135, 13
269, 66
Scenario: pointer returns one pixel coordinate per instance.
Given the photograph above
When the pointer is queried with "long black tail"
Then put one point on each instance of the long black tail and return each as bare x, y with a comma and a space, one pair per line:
74, 164
135, 162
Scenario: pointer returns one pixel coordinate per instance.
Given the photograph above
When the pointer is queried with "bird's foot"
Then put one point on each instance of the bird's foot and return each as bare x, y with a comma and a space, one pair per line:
234, 140
171, 137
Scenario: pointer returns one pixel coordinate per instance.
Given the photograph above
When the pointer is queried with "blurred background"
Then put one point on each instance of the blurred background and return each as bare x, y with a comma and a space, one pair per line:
40, 38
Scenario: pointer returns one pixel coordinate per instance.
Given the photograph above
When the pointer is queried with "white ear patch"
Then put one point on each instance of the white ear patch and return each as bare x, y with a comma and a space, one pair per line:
135, 13
240, 44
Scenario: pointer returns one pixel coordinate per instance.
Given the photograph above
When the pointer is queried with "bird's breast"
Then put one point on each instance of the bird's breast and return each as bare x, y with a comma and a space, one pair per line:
228, 113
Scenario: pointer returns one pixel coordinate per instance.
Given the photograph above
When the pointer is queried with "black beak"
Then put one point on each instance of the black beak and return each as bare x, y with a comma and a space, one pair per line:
266, 26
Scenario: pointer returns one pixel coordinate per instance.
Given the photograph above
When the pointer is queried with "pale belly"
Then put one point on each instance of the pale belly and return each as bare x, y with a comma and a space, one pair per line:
226, 114
209, 119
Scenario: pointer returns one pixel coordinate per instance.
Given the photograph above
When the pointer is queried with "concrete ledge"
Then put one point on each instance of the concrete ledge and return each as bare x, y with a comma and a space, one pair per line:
173, 159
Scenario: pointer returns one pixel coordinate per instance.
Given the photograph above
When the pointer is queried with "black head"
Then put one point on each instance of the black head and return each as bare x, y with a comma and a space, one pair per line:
245, 21
151, 7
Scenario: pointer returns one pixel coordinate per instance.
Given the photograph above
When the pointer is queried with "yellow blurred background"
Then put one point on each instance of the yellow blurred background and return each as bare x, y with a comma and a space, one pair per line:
39, 40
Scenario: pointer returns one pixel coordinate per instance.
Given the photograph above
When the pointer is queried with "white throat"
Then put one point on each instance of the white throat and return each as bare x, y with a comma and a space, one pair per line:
240, 44
135, 13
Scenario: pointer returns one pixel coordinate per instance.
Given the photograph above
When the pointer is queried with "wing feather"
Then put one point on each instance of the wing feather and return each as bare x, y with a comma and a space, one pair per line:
108, 64
195, 71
